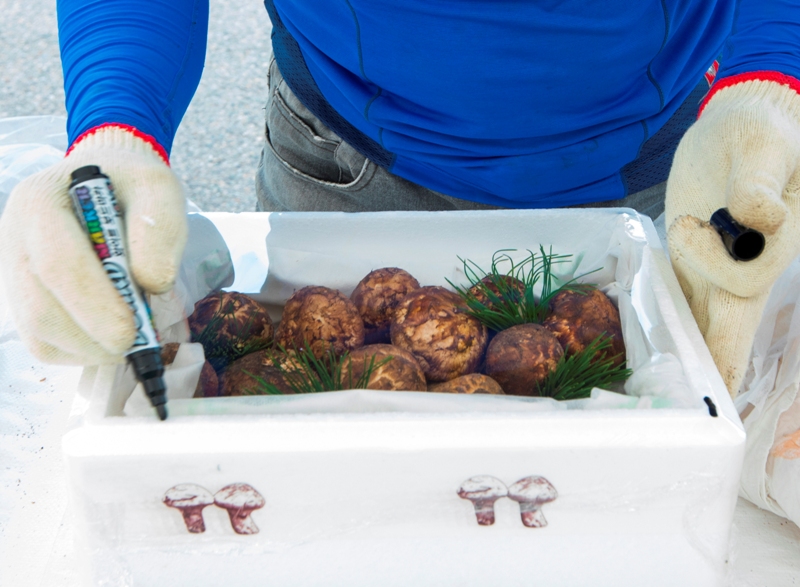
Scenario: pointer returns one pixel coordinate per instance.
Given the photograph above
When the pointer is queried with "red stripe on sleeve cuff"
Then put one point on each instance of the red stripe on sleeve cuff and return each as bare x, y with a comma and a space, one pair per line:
763, 76
126, 127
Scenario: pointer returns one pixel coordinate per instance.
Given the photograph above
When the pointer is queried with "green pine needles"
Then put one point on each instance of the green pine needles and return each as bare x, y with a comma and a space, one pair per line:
505, 295
576, 375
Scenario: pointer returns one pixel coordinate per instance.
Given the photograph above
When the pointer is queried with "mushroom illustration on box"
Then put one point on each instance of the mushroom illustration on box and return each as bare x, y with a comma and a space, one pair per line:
530, 492
483, 491
189, 499
239, 499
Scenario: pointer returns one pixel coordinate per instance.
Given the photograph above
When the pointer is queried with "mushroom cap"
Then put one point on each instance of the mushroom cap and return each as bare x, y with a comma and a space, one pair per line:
230, 325
512, 290
376, 297
169, 351
239, 496
468, 384
535, 489
431, 323
239, 378
578, 317
400, 373
521, 357
321, 317
187, 495
482, 487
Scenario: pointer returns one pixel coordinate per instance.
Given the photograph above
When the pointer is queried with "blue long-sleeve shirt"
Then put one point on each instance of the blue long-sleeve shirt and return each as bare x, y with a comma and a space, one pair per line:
510, 102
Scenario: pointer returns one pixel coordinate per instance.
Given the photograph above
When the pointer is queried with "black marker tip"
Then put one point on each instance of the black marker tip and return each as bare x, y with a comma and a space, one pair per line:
162, 412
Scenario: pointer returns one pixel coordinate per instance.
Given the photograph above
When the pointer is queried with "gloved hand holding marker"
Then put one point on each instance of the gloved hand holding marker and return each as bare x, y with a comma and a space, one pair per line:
98, 211
66, 301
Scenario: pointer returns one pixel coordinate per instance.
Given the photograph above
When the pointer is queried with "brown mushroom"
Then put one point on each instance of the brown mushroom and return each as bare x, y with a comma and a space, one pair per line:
189, 499
532, 493
401, 372
230, 325
483, 491
320, 317
169, 351
240, 499
521, 357
472, 383
578, 317
207, 384
431, 323
376, 297
246, 376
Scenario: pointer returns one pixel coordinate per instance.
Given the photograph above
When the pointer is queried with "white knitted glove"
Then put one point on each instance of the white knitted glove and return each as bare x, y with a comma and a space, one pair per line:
63, 303
742, 154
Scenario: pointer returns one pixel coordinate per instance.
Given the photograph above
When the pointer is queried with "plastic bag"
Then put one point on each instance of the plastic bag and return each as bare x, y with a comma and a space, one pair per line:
768, 400
769, 405
29, 144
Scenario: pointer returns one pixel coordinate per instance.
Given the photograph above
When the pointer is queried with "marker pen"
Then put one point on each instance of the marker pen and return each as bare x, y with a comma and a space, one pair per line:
741, 242
96, 208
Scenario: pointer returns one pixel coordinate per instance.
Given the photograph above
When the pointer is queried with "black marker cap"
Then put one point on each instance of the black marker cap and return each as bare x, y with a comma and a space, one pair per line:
743, 243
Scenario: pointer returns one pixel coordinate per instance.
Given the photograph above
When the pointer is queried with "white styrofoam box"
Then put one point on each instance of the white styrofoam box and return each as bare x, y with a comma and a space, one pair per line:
361, 487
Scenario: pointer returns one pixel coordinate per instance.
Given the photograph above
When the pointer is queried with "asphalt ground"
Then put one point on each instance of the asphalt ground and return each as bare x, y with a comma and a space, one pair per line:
219, 142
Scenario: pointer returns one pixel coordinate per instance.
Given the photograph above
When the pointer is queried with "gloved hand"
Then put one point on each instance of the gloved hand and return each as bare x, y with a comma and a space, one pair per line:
743, 153
63, 303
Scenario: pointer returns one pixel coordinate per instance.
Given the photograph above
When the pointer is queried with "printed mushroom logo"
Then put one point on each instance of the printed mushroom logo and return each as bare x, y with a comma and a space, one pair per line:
240, 499
189, 499
532, 493
483, 491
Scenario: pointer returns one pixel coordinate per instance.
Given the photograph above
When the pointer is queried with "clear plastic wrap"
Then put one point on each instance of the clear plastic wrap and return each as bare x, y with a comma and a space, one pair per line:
768, 403
27, 145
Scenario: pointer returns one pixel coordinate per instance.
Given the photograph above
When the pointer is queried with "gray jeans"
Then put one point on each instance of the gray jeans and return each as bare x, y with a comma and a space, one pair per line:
306, 167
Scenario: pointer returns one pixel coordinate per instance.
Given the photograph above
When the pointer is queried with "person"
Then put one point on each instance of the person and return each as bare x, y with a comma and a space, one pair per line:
413, 104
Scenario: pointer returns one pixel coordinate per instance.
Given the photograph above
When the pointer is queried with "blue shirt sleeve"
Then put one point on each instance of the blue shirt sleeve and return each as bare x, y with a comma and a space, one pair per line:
765, 37
135, 62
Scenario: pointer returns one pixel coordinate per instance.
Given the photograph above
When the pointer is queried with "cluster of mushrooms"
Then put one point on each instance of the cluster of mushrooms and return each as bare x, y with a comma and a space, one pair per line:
392, 333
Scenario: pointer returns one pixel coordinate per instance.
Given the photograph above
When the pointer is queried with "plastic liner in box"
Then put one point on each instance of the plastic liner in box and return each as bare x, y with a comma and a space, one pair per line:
617, 249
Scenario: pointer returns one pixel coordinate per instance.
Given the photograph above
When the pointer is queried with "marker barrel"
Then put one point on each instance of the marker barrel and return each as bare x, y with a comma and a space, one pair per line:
97, 209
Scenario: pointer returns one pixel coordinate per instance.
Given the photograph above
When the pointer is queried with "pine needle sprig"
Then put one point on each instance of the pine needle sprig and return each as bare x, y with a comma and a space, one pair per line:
496, 300
263, 387
315, 375
576, 375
